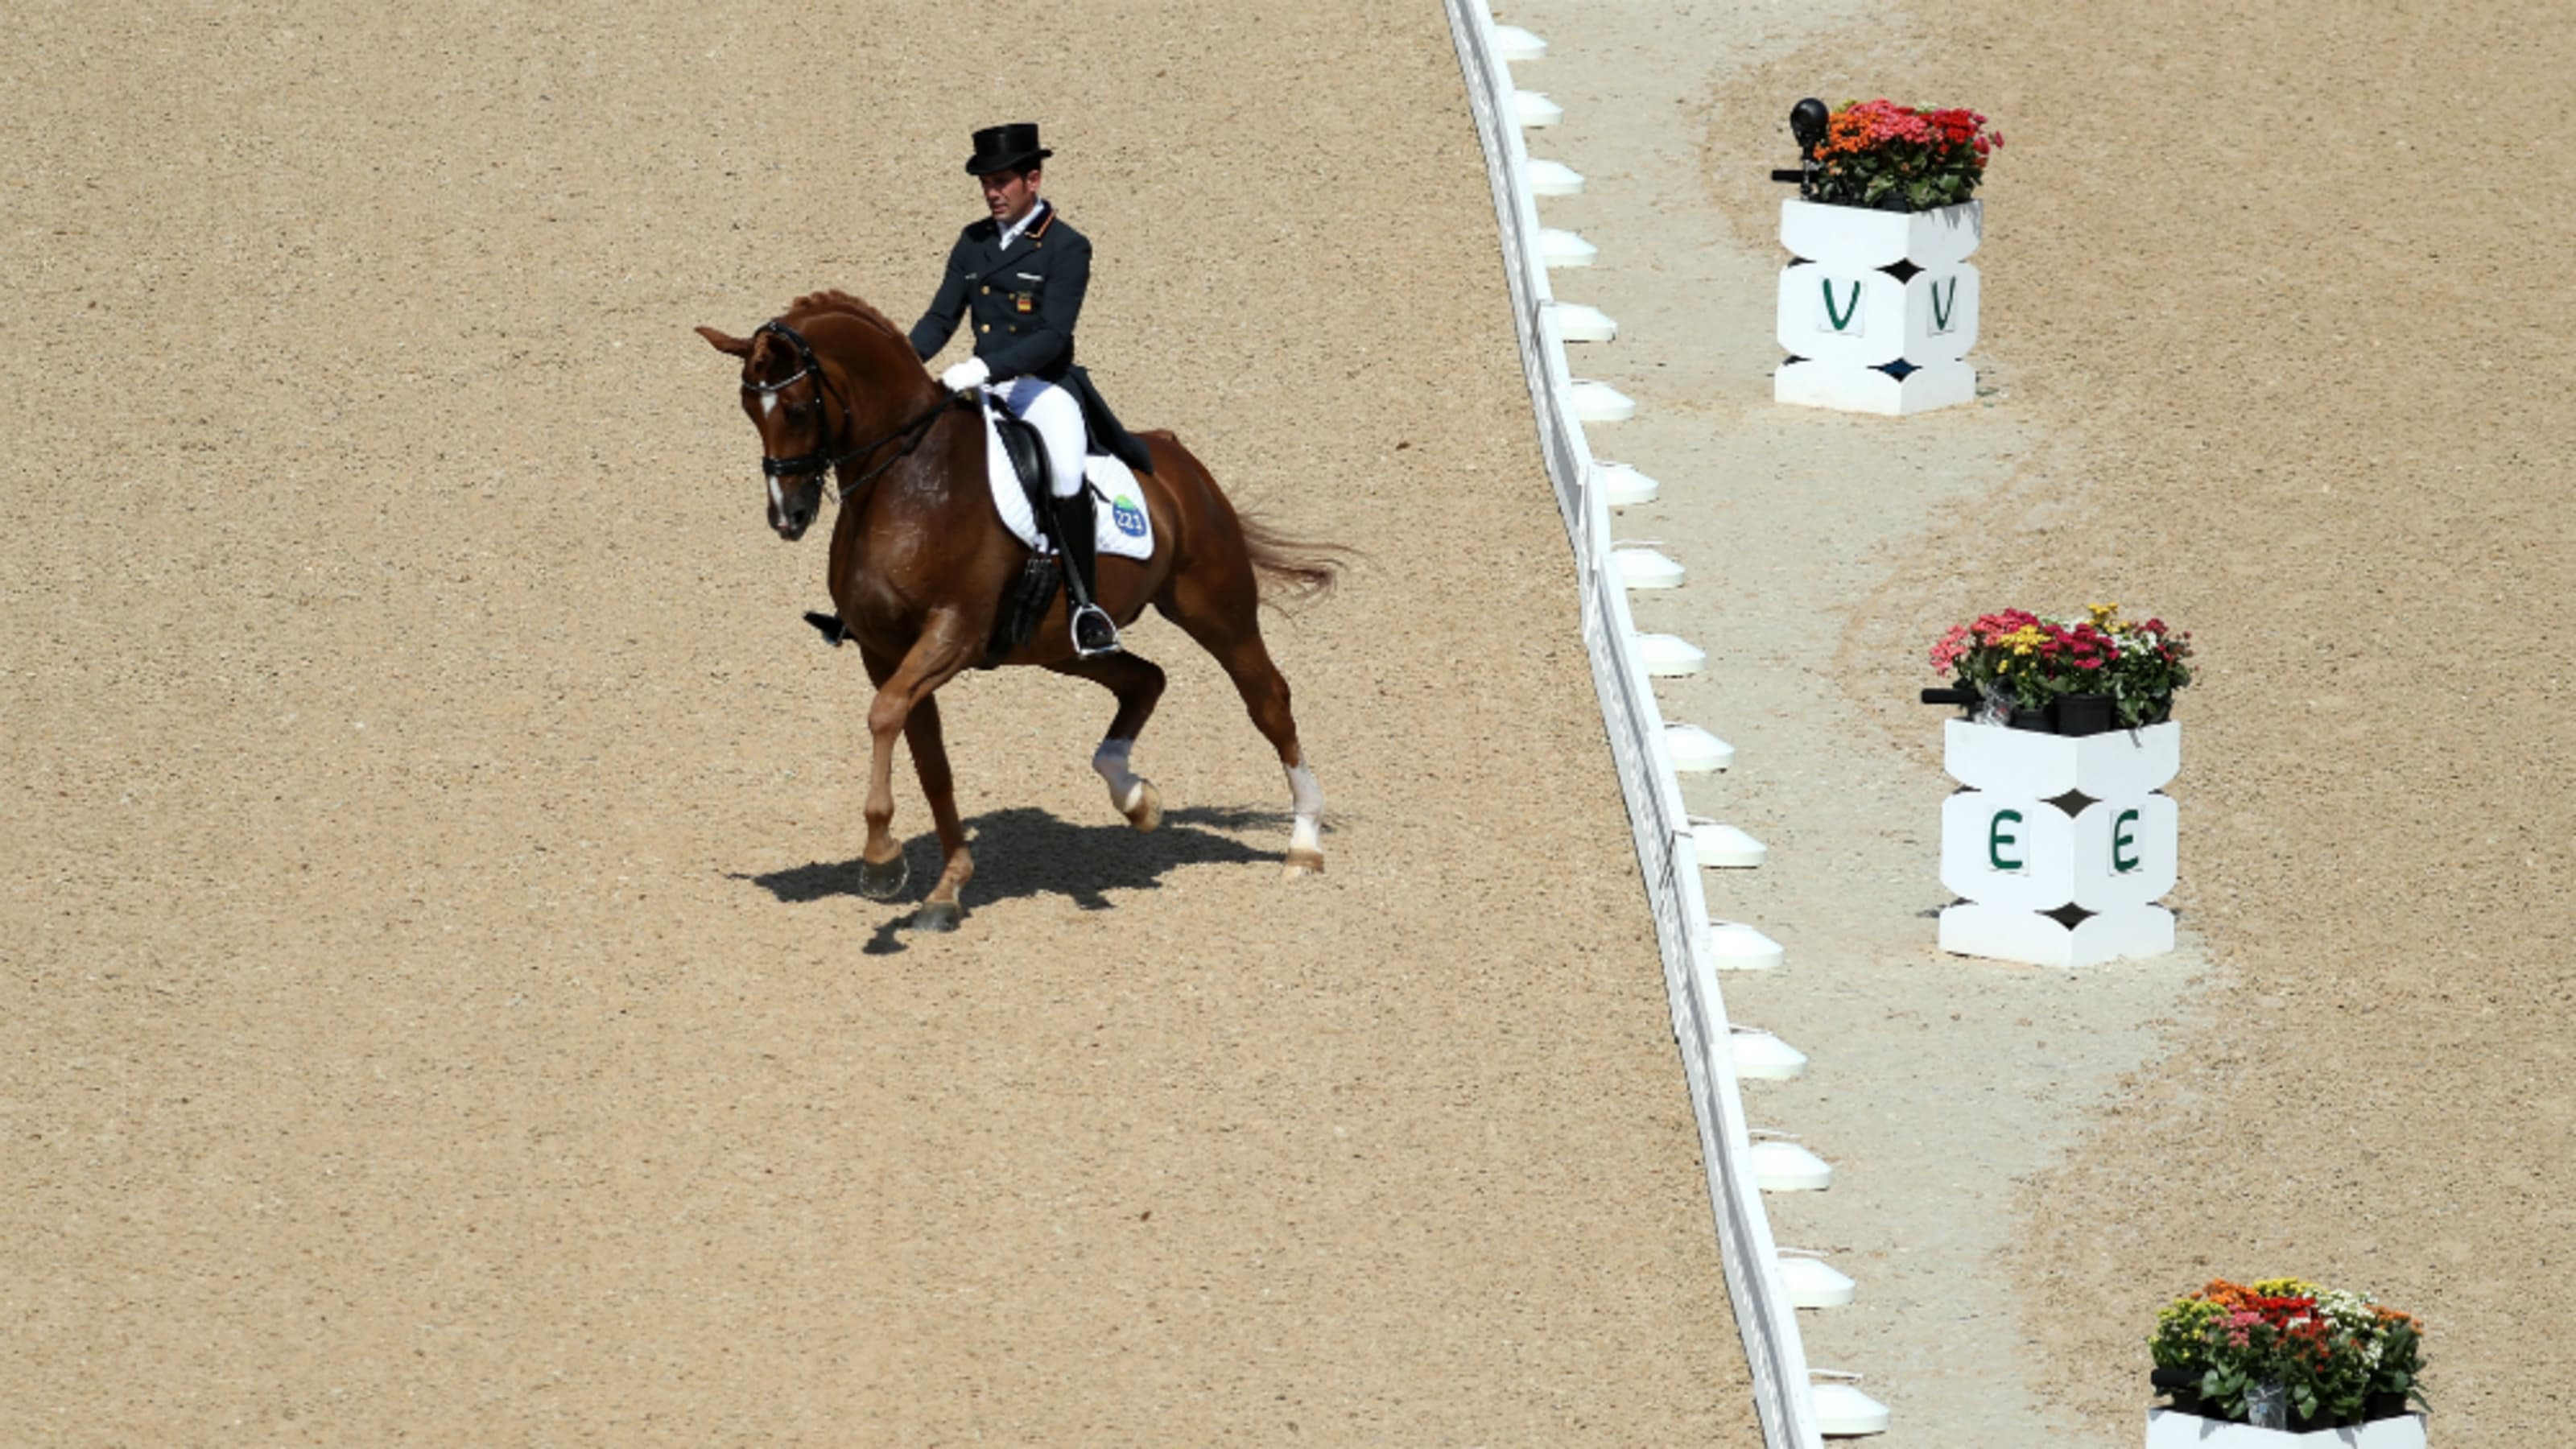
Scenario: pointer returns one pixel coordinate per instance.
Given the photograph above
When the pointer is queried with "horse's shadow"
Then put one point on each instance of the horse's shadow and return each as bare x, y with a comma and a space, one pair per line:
1025, 851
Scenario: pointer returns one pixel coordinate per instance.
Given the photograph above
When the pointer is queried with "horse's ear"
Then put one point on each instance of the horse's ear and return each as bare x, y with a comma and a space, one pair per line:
738, 346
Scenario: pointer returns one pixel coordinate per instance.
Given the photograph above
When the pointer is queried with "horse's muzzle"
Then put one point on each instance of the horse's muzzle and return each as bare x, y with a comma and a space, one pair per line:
791, 515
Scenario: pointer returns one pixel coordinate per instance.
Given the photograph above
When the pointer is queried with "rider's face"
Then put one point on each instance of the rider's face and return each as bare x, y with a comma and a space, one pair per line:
1010, 194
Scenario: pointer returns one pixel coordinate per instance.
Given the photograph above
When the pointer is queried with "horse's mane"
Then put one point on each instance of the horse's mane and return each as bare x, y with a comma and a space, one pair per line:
840, 303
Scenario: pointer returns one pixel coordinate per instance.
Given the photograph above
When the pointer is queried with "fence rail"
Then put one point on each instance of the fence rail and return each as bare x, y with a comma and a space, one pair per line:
1666, 853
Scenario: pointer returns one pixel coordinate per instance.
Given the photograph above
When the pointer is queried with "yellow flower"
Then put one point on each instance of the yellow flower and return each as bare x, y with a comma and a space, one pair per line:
2285, 1288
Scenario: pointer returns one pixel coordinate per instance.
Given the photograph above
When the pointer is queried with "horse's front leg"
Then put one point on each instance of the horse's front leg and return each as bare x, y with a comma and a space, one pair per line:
942, 649
943, 910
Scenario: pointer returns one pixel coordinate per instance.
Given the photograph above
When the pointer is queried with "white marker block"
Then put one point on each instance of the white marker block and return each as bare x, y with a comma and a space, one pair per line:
2000, 933
1578, 323
1814, 1283
1669, 656
2104, 766
1646, 568
1788, 1167
1844, 1409
1599, 402
1760, 1056
1735, 946
1857, 238
2004, 848
1851, 389
1513, 43
1564, 249
1723, 847
2126, 851
1843, 316
1941, 314
2167, 1429
2045, 886
1553, 178
1694, 751
1624, 487
1534, 110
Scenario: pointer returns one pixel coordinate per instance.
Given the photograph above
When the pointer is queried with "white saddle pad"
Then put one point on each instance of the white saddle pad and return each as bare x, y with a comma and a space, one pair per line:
1124, 526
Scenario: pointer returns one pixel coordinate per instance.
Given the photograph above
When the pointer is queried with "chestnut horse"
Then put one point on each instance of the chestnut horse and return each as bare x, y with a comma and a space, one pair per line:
921, 560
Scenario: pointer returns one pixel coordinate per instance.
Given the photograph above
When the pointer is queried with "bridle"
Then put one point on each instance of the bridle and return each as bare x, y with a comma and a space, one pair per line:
806, 465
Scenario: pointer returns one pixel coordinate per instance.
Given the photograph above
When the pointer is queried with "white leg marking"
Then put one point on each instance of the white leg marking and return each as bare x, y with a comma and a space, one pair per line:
1110, 762
1307, 799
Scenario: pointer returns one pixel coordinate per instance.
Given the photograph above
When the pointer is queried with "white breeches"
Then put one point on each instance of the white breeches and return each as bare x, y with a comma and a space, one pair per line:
1058, 418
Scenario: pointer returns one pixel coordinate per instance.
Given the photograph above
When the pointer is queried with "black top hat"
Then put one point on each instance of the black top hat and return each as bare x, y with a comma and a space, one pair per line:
1006, 148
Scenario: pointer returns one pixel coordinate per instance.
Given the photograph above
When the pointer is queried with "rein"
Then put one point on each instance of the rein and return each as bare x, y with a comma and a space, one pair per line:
816, 462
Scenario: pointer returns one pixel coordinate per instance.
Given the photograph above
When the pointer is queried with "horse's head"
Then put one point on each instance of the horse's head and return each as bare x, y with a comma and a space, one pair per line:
786, 397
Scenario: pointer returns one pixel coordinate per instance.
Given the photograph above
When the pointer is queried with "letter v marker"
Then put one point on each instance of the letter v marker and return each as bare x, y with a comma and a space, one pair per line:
1840, 317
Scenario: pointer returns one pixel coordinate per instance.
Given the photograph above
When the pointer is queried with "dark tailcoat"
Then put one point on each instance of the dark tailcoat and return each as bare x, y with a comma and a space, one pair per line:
1023, 300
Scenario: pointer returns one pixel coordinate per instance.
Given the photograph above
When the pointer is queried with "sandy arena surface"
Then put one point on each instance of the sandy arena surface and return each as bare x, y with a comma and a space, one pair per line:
2269, 287
1936, 1084
436, 1005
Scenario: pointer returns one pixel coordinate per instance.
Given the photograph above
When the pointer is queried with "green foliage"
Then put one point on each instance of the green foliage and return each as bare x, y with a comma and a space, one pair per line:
2330, 1352
1889, 157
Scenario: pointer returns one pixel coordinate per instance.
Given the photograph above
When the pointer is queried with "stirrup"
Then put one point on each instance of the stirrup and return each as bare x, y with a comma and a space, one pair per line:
1101, 637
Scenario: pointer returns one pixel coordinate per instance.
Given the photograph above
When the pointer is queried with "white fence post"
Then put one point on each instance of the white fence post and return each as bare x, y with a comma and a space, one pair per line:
1666, 853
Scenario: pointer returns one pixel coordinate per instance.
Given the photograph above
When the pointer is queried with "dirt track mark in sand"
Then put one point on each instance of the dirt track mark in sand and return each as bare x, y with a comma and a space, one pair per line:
435, 1000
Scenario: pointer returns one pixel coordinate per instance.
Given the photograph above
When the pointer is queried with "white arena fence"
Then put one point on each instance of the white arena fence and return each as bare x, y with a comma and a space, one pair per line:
1665, 849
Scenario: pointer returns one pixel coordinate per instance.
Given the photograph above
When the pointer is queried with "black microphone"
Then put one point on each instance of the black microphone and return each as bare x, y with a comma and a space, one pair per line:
1807, 120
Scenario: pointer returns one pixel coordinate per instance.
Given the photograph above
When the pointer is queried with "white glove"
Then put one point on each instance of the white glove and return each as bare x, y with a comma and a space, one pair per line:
965, 377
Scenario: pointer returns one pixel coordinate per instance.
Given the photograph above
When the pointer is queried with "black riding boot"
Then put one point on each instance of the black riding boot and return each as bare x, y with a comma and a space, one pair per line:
1094, 632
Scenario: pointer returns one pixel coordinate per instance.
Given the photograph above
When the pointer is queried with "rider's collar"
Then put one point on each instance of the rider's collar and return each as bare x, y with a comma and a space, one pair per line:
1031, 224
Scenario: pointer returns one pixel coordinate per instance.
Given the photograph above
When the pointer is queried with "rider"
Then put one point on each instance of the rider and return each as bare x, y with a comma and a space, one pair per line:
1021, 273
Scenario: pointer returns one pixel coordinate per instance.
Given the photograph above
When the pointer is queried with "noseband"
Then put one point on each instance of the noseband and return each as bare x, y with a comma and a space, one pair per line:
806, 465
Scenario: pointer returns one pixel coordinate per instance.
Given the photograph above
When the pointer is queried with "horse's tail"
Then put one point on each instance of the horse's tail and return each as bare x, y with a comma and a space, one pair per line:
1292, 571
1289, 572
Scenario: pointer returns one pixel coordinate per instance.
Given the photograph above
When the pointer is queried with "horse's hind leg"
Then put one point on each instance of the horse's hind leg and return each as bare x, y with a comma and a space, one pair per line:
1226, 621
1138, 685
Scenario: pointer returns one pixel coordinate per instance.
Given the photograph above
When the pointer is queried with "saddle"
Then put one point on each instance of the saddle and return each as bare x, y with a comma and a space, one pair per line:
1025, 601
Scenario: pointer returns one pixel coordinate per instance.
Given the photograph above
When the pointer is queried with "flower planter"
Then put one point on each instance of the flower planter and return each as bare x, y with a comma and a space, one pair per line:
1879, 309
2171, 1429
2059, 845
2265, 1347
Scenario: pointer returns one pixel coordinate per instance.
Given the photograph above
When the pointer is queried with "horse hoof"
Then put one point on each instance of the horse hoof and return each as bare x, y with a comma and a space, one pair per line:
884, 880
1303, 863
1148, 809
938, 916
